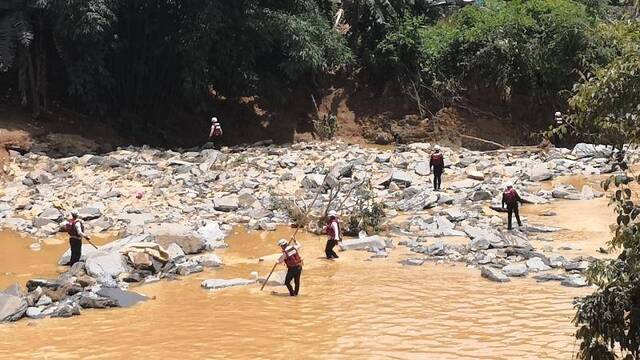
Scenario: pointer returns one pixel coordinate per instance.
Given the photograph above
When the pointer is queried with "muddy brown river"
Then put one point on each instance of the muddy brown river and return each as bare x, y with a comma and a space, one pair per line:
353, 308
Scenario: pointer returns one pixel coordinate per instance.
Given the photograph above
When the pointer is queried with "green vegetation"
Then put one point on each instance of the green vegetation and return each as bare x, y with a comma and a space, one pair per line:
145, 63
605, 108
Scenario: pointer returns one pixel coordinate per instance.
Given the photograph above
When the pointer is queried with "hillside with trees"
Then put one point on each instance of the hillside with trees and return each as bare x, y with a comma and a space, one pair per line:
156, 70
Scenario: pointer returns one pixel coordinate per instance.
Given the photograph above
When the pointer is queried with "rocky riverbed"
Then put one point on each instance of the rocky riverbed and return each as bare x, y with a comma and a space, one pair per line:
173, 209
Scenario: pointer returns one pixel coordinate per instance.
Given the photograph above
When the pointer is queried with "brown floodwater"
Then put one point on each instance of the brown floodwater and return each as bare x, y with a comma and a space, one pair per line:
18, 263
350, 308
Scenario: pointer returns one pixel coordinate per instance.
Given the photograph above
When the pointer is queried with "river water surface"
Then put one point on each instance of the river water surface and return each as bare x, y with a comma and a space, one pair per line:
353, 308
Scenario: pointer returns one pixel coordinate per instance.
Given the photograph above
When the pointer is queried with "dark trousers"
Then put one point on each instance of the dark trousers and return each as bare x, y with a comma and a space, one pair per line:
76, 250
511, 210
328, 250
293, 273
437, 179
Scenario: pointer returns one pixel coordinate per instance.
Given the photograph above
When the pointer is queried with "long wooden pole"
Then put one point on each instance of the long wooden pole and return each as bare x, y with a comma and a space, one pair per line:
297, 228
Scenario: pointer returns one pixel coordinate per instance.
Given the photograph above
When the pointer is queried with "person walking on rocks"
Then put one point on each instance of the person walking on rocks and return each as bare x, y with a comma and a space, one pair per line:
436, 163
510, 199
75, 228
291, 257
216, 129
335, 235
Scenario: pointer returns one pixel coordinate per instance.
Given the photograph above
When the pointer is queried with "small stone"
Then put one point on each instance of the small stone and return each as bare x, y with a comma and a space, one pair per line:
493, 274
515, 270
574, 280
536, 264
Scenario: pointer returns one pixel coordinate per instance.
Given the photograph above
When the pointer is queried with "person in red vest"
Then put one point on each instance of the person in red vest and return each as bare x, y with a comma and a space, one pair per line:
216, 131
335, 235
291, 257
436, 163
75, 228
510, 199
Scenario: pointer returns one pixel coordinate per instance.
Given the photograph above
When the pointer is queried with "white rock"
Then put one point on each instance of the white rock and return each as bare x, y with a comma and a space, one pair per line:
493, 274
213, 284
536, 264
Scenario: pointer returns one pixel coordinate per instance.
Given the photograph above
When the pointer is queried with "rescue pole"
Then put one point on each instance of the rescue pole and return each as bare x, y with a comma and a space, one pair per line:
92, 244
297, 228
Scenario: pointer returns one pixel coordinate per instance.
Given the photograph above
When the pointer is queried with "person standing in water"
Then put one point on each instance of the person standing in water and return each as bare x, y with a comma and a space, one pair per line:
436, 163
291, 257
510, 198
335, 235
75, 228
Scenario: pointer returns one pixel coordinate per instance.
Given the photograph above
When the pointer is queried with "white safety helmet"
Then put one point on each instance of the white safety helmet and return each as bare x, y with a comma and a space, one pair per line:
509, 184
214, 119
282, 242
558, 114
436, 148
74, 213
332, 213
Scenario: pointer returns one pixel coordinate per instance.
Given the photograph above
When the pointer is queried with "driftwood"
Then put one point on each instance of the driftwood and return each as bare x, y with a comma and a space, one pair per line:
483, 140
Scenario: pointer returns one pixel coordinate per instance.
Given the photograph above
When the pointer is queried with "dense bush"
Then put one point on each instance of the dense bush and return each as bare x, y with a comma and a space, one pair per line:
533, 47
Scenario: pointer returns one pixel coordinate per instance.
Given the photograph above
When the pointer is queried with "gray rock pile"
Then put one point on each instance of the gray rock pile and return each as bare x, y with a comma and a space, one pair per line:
172, 207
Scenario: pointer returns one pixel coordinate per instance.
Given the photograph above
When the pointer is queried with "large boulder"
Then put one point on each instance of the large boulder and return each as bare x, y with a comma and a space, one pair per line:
52, 214
493, 274
401, 178
363, 243
12, 305
105, 267
188, 244
481, 195
422, 168
122, 298
582, 150
211, 233
515, 270
208, 260
539, 172
491, 236
313, 181
226, 203
213, 284
479, 243
464, 184
168, 229
89, 213
536, 264
574, 280
341, 169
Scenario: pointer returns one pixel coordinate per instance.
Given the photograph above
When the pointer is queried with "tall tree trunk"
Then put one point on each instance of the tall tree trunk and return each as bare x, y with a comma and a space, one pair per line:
33, 85
41, 61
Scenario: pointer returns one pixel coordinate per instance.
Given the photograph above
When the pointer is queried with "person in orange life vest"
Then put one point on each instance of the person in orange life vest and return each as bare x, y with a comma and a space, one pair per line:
436, 163
510, 199
75, 228
291, 257
335, 235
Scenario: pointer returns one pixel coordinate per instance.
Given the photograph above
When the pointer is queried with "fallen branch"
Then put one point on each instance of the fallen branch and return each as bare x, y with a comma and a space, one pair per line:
483, 140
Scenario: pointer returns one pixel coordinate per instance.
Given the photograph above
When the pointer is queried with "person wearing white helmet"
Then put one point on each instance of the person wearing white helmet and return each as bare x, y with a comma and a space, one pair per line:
334, 235
216, 129
436, 163
75, 228
510, 199
291, 257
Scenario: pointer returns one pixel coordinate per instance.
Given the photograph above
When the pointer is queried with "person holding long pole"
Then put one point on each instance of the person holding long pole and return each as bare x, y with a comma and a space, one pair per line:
334, 235
291, 257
